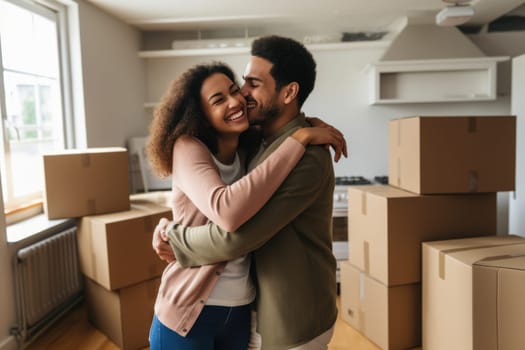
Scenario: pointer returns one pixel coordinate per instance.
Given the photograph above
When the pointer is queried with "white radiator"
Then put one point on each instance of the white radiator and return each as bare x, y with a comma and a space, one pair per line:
48, 282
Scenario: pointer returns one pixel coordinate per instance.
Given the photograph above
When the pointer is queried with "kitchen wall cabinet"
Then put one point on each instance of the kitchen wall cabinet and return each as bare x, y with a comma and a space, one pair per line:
441, 80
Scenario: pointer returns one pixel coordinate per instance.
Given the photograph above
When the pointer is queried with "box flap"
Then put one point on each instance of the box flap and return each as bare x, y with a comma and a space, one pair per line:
471, 250
507, 261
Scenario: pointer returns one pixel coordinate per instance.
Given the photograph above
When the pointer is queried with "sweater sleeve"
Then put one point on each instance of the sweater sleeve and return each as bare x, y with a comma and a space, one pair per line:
209, 244
229, 206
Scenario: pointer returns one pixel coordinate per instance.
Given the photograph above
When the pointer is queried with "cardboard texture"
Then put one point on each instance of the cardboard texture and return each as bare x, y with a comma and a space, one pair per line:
387, 225
115, 249
88, 182
452, 154
473, 294
389, 316
125, 315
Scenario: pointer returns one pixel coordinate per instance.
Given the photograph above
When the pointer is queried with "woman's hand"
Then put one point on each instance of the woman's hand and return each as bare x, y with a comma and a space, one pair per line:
160, 241
323, 135
316, 122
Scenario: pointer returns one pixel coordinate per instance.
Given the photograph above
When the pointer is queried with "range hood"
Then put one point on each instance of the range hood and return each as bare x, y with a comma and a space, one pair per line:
428, 41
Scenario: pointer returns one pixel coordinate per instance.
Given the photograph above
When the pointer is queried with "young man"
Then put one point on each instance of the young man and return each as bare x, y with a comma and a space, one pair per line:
291, 235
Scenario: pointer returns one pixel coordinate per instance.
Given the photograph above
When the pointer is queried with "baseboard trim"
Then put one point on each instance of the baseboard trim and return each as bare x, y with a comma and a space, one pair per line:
8, 343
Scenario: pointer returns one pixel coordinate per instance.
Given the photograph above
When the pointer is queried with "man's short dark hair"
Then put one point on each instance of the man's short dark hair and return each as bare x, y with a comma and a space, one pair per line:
291, 62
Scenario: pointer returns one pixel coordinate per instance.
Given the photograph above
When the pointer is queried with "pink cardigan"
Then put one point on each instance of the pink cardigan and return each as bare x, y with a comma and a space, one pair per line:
199, 196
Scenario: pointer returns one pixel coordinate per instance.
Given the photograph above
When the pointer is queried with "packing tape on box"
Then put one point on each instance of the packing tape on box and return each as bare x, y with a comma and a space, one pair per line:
398, 133
91, 206
361, 286
85, 160
443, 253
363, 203
94, 258
473, 181
472, 124
366, 256
94, 266
398, 175
362, 294
361, 321
441, 271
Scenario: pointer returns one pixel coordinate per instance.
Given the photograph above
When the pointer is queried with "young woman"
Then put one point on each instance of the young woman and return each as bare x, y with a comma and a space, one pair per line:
200, 135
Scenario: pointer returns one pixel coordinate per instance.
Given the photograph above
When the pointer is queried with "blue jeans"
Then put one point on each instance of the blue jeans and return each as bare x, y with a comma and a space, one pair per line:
217, 328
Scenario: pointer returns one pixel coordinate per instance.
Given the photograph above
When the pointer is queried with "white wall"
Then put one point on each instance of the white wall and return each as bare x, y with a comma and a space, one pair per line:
113, 78
501, 44
517, 199
341, 98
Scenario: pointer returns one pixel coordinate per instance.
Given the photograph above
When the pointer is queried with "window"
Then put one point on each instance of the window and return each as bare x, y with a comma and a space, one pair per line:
31, 97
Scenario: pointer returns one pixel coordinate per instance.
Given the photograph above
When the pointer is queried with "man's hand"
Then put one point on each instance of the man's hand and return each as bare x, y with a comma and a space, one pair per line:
160, 241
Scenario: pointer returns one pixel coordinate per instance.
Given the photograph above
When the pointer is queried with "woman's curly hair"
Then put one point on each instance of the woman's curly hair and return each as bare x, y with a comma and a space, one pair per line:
180, 113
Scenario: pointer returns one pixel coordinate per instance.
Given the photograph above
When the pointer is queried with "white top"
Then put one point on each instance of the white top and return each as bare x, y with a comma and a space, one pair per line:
234, 287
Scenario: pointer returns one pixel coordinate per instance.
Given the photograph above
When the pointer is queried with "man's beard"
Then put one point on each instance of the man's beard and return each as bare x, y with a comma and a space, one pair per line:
266, 114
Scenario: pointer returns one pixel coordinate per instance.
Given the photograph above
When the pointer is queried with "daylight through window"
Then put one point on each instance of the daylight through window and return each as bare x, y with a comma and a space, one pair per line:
31, 98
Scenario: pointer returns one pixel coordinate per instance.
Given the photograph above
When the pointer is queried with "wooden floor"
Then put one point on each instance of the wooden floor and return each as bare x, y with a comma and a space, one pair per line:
74, 332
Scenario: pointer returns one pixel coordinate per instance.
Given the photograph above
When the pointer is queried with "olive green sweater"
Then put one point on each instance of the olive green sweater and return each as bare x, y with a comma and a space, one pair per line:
291, 237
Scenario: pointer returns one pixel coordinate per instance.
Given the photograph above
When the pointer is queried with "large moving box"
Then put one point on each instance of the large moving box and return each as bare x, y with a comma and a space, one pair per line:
452, 154
387, 226
473, 294
86, 182
124, 315
388, 316
115, 249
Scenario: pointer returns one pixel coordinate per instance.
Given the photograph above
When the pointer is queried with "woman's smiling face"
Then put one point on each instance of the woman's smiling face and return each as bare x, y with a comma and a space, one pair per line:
223, 105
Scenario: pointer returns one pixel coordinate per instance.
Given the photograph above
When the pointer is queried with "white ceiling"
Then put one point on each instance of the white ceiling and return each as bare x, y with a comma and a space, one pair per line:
315, 16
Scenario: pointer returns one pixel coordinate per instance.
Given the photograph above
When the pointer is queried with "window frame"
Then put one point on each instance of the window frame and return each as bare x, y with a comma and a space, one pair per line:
59, 11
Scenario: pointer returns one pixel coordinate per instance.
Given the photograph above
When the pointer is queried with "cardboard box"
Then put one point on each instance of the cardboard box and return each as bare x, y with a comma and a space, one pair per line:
388, 316
158, 197
452, 154
387, 225
115, 249
86, 182
125, 315
473, 294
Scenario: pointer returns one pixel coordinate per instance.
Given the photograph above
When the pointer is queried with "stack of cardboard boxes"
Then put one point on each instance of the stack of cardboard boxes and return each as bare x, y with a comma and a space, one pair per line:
444, 173
114, 239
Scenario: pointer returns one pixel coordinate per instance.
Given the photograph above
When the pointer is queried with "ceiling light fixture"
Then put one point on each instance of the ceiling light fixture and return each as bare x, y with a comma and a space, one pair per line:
456, 14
